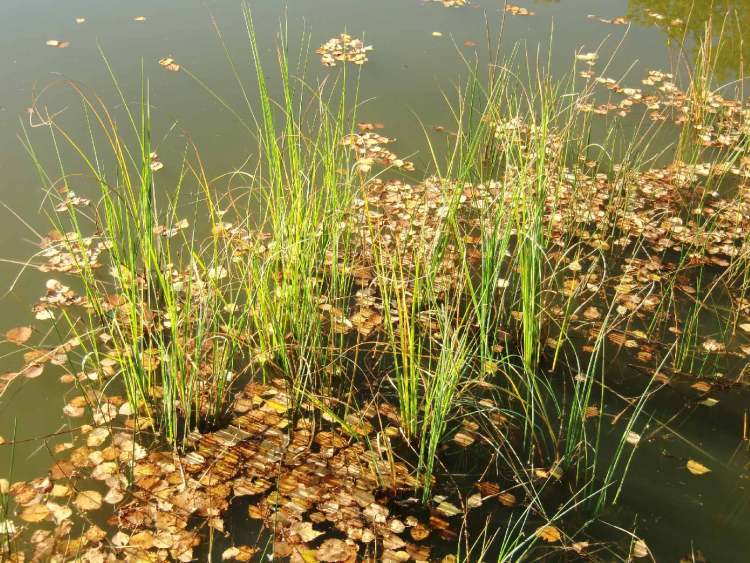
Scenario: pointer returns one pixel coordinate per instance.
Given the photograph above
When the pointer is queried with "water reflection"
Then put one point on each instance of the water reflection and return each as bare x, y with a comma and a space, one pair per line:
688, 19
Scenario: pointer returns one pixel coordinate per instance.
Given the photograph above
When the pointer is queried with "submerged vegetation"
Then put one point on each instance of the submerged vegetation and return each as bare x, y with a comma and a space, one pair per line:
371, 359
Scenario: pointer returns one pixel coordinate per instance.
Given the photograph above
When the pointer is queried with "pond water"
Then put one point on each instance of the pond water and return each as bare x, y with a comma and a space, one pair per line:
416, 58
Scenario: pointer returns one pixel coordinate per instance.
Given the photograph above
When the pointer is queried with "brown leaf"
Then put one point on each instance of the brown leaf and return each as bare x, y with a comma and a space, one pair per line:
549, 533
19, 334
334, 550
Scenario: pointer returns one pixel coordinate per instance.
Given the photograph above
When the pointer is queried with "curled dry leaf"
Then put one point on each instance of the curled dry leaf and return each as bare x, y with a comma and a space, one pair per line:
639, 549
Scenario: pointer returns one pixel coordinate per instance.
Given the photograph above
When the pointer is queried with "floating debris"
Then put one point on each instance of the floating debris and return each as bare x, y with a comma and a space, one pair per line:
452, 3
169, 64
343, 48
518, 10
58, 44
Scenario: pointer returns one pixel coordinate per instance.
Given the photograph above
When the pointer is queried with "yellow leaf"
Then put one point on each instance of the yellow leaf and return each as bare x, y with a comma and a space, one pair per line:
550, 534
697, 468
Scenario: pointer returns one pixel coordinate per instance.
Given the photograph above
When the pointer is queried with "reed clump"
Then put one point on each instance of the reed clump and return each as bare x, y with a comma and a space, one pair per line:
476, 309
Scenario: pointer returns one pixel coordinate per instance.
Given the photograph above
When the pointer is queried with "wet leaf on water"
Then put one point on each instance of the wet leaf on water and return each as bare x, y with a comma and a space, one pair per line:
713, 346
239, 553
97, 437
34, 513
120, 539
592, 411
32, 371
588, 58
580, 546
59, 512
305, 531
549, 533
88, 500
632, 438
333, 550
448, 509
474, 501
113, 496
95, 534
143, 540
697, 468
464, 439
709, 402
60, 490
19, 334
507, 499
419, 531
169, 64
701, 386
518, 10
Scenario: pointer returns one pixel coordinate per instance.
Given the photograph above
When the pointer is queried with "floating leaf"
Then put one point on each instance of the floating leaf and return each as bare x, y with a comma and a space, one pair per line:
57, 43
32, 371
697, 468
333, 550
549, 533
19, 334
632, 438
639, 549
448, 509
517, 10
305, 531
88, 500
169, 64
35, 513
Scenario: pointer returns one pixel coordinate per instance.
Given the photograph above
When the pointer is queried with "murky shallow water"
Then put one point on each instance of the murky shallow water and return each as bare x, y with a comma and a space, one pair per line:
407, 73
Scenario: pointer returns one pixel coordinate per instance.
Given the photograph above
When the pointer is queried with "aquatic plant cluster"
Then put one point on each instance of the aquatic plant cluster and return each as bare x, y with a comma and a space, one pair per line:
323, 364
